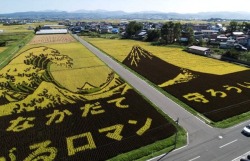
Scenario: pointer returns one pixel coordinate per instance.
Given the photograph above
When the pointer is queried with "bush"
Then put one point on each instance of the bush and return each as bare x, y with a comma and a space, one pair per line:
232, 53
3, 43
90, 34
157, 43
153, 35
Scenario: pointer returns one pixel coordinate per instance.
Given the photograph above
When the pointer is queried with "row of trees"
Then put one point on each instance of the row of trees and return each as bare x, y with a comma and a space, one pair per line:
170, 32
236, 26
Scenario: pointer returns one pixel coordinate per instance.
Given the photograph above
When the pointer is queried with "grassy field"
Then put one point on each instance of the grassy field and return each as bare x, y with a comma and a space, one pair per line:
13, 46
11, 38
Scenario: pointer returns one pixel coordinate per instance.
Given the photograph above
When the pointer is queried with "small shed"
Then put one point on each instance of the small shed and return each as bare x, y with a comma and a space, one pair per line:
199, 50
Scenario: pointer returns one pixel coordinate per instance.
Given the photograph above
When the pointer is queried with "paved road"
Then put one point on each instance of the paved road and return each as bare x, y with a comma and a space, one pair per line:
226, 146
204, 142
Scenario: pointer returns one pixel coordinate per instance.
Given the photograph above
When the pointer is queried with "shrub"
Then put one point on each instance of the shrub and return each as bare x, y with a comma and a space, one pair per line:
3, 43
232, 53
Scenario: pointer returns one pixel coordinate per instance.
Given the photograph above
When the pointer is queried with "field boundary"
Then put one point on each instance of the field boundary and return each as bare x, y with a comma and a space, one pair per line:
10, 52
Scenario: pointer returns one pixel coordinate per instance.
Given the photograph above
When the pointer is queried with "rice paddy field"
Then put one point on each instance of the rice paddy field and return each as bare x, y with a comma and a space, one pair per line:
49, 39
22, 28
2, 49
218, 90
16, 28
119, 49
66, 104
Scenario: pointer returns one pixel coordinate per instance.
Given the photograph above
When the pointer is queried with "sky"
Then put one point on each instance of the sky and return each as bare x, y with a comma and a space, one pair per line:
179, 6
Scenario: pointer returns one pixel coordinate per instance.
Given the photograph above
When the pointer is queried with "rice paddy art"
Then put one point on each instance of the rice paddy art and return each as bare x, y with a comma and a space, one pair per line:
218, 97
43, 119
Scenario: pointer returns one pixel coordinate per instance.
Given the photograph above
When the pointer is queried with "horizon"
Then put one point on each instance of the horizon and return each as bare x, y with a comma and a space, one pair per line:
146, 11
129, 6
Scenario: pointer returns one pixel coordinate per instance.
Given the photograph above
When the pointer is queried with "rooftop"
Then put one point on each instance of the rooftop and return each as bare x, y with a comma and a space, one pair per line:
52, 31
198, 48
238, 33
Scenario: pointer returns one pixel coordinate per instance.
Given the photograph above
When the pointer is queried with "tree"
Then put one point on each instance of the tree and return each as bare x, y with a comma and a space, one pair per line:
132, 28
177, 30
153, 35
37, 29
190, 35
170, 32
167, 32
233, 25
246, 26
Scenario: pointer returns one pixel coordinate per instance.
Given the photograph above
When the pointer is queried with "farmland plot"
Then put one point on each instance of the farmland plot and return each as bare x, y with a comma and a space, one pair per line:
92, 120
48, 39
2, 49
216, 89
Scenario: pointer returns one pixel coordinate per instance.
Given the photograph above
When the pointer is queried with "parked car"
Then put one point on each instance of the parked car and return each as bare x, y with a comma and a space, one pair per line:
242, 159
246, 130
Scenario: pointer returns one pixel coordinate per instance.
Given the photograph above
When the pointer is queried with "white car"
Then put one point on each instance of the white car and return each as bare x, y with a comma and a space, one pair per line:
246, 130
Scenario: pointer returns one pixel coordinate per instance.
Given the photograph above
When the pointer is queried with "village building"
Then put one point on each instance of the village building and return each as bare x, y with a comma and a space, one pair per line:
199, 50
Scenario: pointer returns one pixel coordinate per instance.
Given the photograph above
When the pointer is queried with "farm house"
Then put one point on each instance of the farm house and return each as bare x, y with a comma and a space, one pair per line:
199, 50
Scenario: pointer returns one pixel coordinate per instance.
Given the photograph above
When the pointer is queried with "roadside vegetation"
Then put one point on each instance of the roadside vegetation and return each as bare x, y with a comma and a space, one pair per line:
12, 43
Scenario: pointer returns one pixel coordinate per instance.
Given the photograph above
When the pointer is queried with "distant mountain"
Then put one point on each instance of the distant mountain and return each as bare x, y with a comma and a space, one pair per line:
103, 14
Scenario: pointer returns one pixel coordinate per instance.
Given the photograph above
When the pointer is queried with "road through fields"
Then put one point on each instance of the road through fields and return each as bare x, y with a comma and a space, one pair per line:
202, 138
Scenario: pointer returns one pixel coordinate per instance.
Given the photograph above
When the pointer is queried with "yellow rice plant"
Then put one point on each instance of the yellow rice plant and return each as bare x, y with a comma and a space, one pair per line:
85, 78
49, 39
119, 49
22, 28
86, 66
15, 28
2, 49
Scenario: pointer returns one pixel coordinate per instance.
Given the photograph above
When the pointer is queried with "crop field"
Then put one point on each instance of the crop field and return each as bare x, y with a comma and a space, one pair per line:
15, 28
11, 38
119, 49
48, 39
2, 49
65, 104
22, 28
216, 89
10, 45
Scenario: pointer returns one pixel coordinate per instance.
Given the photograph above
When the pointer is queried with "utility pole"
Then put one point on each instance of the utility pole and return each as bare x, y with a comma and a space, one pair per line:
176, 134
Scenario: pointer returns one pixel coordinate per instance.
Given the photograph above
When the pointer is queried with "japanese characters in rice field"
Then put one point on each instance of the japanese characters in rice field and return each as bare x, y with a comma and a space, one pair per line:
60, 102
216, 89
